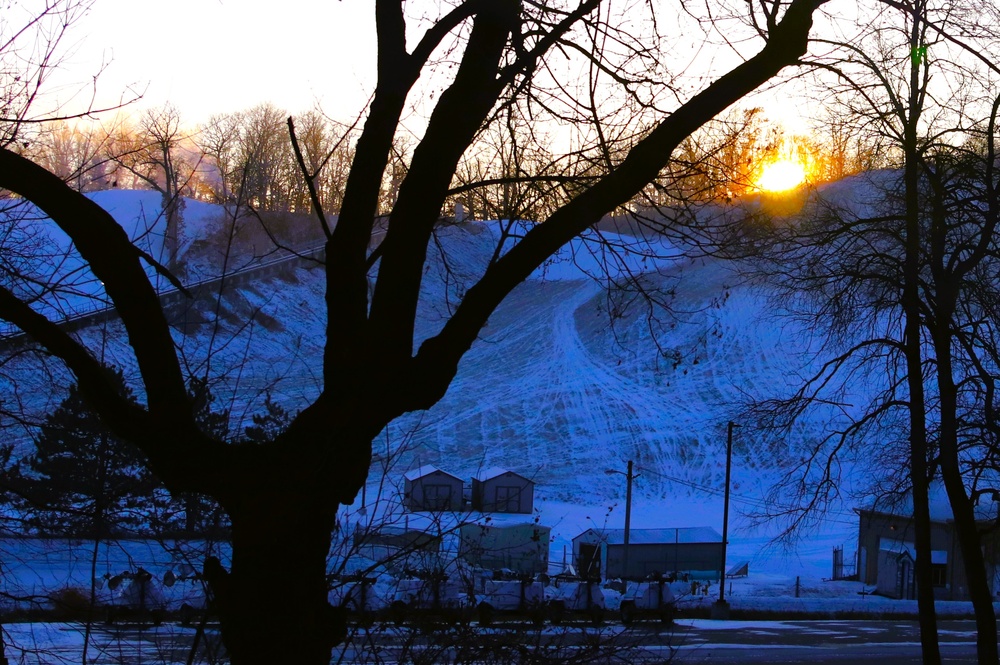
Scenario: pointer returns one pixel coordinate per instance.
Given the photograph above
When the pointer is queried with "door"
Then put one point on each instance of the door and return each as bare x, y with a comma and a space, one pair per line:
590, 560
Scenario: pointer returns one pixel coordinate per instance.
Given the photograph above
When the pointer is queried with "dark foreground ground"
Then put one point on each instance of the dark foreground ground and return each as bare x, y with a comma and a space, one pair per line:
858, 642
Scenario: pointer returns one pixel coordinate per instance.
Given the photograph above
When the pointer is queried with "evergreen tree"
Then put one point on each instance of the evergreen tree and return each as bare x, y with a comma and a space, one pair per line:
268, 425
201, 515
82, 480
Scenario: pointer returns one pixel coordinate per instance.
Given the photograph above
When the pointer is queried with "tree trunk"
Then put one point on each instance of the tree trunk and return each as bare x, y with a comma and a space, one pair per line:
970, 545
921, 505
173, 209
272, 604
966, 530
913, 350
919, 476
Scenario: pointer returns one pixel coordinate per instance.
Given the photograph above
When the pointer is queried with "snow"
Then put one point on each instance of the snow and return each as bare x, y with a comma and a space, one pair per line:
551, 391
422, 471
491, 473
36, 568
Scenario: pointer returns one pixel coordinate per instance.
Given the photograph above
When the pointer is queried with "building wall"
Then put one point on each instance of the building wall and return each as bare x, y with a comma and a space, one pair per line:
875, 526
507, 493
435, 491
701, 559
522, 548
895, 576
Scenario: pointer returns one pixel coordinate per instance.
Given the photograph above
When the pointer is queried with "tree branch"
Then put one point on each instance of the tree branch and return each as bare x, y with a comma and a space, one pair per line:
437, 359
115, 261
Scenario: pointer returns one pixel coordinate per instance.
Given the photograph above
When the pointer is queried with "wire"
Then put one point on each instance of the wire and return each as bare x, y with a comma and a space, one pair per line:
756, 502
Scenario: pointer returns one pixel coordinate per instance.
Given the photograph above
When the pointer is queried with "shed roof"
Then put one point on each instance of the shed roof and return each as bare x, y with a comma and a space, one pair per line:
683, 535
489, 474
427, 470
903, 547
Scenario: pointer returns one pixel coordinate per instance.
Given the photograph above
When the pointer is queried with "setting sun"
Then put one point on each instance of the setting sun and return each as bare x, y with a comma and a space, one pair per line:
781, 175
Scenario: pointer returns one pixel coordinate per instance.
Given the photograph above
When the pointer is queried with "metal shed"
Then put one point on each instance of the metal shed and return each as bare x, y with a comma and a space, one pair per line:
692, 551
502, 491
430, 488
522, 548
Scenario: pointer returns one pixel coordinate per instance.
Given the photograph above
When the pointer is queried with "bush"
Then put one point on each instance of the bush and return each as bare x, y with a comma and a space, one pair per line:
71, 604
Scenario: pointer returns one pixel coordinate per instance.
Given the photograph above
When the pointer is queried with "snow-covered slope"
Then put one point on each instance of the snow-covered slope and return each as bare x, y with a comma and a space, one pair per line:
552, 389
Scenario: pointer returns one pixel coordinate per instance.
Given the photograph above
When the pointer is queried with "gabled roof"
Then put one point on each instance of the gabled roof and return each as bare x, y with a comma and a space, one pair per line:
427, 470
940, 507
902, 547
489, 474
684, 535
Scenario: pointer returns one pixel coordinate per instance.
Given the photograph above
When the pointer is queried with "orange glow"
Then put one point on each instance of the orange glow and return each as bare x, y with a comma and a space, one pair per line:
781, 175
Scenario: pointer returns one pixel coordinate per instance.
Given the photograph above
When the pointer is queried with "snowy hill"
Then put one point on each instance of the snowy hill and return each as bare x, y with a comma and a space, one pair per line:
552, 390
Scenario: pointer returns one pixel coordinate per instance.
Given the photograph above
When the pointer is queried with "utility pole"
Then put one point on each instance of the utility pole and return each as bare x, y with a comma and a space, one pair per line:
720, 610
628, 518
629, 476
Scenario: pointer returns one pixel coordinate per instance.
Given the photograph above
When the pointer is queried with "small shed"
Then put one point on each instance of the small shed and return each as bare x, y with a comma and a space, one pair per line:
739, 569
522, 548
430, 488
895, 569
693, 551
499, 490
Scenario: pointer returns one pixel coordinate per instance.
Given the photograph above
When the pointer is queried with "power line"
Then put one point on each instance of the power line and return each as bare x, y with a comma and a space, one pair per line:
756, 502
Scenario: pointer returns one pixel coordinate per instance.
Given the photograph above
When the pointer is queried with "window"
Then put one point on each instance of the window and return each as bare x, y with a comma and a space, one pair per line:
939, 574
437, 497
508, 499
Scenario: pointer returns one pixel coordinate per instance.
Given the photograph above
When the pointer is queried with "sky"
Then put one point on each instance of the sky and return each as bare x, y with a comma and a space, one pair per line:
216, 56
220, 56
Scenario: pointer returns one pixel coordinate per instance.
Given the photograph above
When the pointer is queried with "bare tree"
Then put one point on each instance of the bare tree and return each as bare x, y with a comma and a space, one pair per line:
282, 496
150, 151
30, 51
887, 282
76, 153
510, 173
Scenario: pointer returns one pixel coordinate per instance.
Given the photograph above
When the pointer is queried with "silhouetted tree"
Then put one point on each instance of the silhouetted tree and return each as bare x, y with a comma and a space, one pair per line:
82, 480
282, 496
902, 285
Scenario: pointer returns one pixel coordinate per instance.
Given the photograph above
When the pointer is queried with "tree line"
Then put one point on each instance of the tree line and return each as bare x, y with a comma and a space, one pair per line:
247, 158
241, 157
